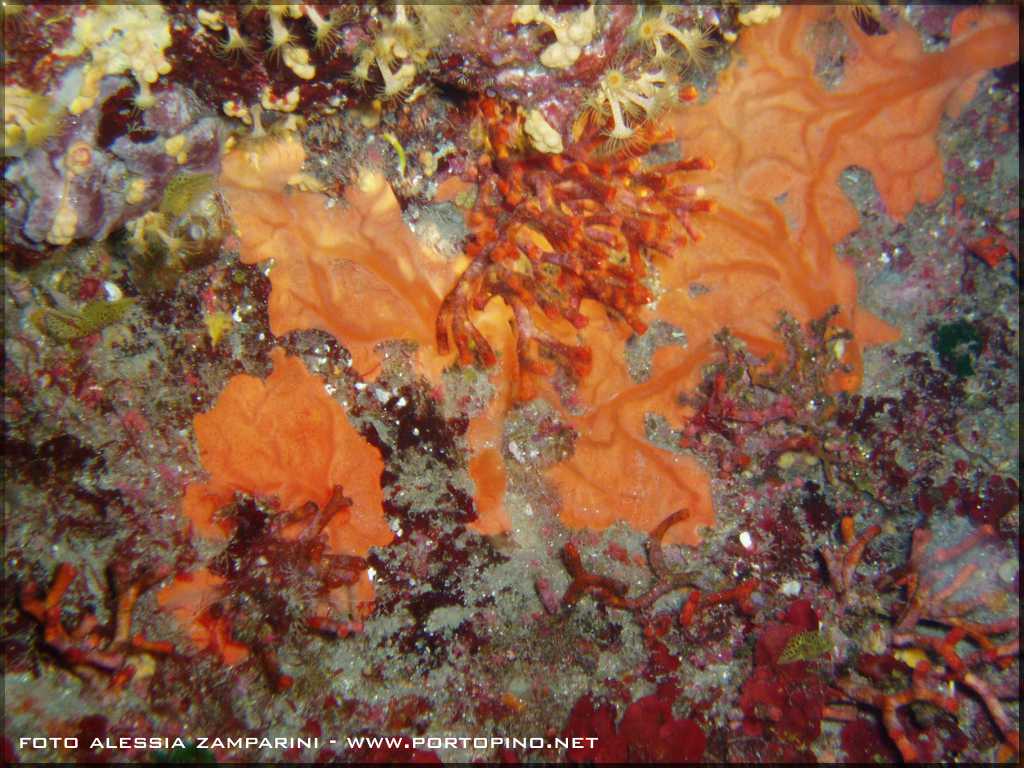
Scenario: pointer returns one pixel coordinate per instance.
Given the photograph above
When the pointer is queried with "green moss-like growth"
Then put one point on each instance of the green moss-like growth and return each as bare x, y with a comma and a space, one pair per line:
68, 326
805, 646
958, 346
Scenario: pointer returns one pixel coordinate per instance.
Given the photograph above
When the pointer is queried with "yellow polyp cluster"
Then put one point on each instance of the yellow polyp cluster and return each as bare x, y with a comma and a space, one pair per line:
135, 190
542, 136
272, 102
282, 41
400, 49
235, 44
176, 147
77, 160
281, 38
29, 120
630, 101
119, 39
65, 222
759, 14
573, 32
211, 19
691, 43
325, 31
238, 111
185, 230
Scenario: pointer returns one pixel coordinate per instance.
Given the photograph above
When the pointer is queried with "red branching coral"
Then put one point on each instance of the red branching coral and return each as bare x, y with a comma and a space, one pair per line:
740, 595
612, 592
553, 231
936, 582
277, 571
90, 650
924, 687
843, 562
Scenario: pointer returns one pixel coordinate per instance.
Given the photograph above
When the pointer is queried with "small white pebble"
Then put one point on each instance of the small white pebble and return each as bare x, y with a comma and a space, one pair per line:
1008, 570
746, 540
382, 395
112, 290
790, 588
513, 448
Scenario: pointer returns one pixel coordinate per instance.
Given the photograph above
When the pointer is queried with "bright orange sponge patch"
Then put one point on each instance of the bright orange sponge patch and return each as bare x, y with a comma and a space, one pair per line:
286, 438
353, 269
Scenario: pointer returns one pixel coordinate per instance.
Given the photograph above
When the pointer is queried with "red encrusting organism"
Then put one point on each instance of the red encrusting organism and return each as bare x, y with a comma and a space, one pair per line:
552, 230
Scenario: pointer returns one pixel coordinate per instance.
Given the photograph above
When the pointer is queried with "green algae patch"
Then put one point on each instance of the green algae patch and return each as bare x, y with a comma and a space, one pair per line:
958, 346
93, 317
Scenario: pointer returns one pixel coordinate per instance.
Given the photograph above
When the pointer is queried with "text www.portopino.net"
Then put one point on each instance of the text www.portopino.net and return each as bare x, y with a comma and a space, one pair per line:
468, 742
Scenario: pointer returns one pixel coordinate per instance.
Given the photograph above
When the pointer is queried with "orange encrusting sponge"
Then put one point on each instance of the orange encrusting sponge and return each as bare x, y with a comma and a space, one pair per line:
779, 140
353, 269
284, 438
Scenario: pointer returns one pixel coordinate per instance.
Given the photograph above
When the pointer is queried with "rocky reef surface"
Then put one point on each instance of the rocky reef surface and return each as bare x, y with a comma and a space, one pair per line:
511, 383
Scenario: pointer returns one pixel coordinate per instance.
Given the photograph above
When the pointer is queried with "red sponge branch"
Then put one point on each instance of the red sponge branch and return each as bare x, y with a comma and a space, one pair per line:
935, 598
613, 593
90, 649
924, 688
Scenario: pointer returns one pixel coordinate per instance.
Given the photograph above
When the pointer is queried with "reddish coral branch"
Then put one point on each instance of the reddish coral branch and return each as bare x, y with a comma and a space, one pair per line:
989, 697
280, 681
720, 412
924, 687
603, 588
612, 592
552, 230
276, 575
930, 601
843, 562
90, 648
925, 599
